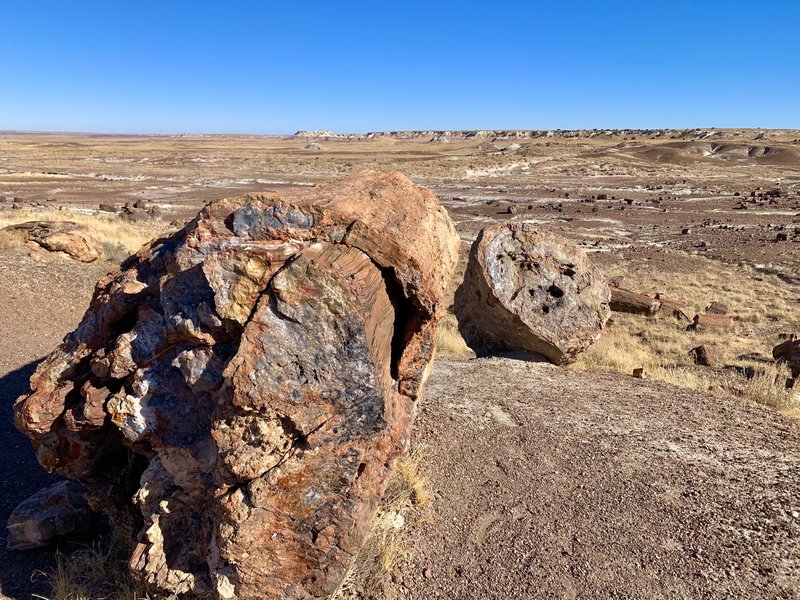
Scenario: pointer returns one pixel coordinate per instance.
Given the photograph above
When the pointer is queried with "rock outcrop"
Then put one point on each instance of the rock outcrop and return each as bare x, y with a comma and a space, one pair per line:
239, 392
531, 290
70, 238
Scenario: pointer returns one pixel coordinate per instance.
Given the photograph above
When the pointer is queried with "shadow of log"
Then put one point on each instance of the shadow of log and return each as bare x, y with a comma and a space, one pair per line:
20, 476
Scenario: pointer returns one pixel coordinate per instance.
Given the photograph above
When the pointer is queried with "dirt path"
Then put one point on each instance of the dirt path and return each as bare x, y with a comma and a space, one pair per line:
554, 484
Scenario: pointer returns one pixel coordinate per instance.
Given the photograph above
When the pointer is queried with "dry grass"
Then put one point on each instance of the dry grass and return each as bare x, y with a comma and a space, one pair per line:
762, 306
448, 339
96, 572
118, 237
387, 543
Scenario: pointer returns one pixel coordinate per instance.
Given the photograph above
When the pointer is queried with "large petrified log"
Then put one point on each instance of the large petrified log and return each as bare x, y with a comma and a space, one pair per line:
240, 391
531, 290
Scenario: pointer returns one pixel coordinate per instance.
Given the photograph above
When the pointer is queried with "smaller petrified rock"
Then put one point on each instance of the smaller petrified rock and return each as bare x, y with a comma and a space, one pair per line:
706, 356
616, 281
626, 301
531, 290
53, 511
639, 373
710, 321
110, 208
789, 352
676, 308
61, 236
717, 308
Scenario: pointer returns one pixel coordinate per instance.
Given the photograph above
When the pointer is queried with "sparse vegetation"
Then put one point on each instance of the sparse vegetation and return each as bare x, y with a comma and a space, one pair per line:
387, 543
118, 237
761, 308
95, 572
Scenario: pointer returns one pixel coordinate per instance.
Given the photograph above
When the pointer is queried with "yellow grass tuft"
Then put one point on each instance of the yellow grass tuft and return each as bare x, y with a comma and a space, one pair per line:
96, 572
387, 543
448, 339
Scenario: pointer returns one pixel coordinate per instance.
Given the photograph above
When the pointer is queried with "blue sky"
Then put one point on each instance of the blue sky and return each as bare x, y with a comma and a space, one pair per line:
275, 67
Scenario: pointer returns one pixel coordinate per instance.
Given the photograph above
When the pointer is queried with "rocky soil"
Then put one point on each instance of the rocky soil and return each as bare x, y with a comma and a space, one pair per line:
552, 484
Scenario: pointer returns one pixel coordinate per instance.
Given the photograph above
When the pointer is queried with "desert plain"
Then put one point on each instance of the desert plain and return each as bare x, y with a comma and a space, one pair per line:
539, 481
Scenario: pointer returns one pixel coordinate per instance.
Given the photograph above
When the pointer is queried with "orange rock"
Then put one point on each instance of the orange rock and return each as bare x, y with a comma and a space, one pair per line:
254, 378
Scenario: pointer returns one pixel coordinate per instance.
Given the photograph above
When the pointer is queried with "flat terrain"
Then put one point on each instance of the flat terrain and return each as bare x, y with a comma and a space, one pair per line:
548, 482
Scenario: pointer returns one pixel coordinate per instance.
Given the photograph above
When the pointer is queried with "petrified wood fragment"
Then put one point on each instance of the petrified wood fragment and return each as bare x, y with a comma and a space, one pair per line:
531, 290
239, 393
626, 301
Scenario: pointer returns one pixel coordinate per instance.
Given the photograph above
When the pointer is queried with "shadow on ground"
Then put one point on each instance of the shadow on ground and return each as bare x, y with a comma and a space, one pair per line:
20, 476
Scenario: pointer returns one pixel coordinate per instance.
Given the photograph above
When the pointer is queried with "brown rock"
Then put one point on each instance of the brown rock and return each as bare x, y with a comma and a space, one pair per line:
626, 301
638, 373
531, 290
706, 355
717, 308
789, 352
239, 393
54, 511
61, 236
710, 321
675, 308
616, 281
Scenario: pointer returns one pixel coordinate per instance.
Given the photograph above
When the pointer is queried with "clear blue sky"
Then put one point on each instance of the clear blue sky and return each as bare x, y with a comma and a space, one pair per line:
274, 67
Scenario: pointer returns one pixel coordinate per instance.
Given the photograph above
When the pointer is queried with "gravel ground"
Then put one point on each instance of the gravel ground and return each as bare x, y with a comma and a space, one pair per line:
555, 484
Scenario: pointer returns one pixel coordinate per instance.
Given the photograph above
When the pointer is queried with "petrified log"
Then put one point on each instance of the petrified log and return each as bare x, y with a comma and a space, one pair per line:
531, 290
57, 510
717, 308
706, 355
240, 391
626, 301
788, 352
675, 308
61, 236
703, 322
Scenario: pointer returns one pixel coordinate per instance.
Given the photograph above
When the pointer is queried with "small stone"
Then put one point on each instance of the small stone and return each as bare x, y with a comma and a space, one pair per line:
427, 573
638, 373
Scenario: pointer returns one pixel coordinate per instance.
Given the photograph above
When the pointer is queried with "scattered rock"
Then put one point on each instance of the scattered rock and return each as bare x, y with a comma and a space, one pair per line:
315, 146
140, 211
238, 394
61, 236
789, 352
710, 321
531, 290
54, 511
639, 373
511, 149
110, 208
717, 308
676, 308
616, 281
626, 301
706, 355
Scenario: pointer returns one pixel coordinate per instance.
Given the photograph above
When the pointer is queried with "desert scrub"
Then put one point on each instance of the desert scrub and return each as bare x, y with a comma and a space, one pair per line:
388, 542
95, 572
